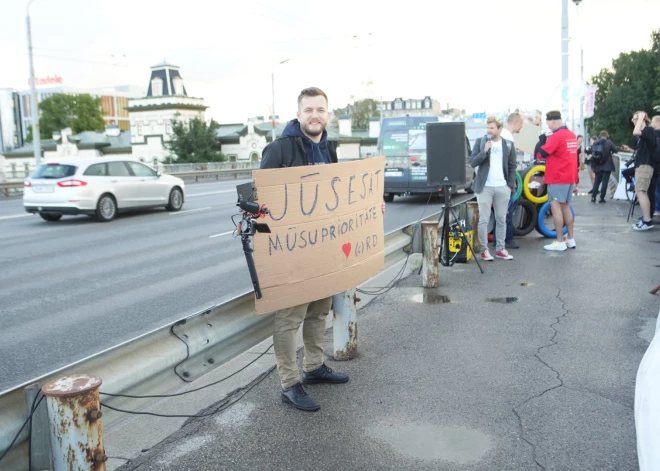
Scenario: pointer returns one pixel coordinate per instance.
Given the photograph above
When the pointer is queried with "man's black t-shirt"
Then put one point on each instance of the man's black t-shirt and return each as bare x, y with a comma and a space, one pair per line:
645, 146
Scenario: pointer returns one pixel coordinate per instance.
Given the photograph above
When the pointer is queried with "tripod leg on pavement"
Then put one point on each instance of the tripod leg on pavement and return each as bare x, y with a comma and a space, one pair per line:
631, 209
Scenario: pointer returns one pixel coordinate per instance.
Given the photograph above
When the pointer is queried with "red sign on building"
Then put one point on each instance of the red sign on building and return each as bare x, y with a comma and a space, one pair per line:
49, 80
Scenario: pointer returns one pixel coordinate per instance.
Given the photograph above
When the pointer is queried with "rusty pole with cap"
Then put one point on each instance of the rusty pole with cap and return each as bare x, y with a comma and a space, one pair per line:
345, 328
76, 432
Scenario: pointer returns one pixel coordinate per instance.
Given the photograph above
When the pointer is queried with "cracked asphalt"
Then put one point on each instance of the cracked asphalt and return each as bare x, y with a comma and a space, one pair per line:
545, 382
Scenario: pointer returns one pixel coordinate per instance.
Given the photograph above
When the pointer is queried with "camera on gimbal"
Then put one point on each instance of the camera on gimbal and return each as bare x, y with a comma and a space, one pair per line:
248, 226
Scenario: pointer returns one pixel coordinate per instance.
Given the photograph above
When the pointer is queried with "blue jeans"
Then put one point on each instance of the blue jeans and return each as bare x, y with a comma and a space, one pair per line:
657, 195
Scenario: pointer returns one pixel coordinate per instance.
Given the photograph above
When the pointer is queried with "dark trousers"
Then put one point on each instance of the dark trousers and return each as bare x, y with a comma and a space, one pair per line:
604, 178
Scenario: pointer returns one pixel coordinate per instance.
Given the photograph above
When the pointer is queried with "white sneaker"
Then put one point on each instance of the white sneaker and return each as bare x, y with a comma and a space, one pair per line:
556, 245
570, 243
642, 226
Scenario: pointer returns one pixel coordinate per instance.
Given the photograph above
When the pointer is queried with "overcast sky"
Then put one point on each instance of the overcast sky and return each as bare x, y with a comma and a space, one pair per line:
473, 54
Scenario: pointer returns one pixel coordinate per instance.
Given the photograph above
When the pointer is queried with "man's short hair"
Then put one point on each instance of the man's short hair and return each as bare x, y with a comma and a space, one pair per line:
604, 135
311, 92
514, 117
493, 119
553, 115
656, 119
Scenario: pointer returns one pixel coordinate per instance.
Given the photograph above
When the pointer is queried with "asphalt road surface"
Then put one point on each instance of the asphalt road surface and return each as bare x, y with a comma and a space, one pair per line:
72, 288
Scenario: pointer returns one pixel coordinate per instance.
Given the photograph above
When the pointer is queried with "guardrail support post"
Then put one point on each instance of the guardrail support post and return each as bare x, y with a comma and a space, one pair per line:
473, 220
431, 276
76, 432
39, 446
344, 326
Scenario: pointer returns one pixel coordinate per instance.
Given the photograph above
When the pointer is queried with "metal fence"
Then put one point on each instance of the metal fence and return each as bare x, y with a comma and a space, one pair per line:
162, 359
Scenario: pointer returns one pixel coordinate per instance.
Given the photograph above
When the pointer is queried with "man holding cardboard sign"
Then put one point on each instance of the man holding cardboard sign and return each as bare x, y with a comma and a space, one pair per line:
326, 237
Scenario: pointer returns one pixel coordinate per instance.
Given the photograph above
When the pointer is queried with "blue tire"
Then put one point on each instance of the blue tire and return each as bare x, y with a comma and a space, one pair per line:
541, 226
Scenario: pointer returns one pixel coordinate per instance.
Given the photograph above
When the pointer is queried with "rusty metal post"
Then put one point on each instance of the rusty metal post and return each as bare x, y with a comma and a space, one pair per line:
430, 272
76, 432
344, 326
473, 220
39, 446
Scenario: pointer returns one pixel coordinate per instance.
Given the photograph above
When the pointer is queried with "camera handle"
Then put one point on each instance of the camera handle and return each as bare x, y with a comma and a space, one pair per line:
245, 240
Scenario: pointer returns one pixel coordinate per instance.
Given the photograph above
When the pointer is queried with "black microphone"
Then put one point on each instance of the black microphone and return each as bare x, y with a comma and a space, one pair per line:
250, 207
488, 140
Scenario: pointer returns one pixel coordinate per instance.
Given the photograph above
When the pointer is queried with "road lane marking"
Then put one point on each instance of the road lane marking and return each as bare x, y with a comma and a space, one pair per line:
190, 210
190, 195
220, 235
16, 216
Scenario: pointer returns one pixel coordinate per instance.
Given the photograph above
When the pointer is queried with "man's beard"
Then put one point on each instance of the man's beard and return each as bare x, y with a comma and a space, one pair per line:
310, 132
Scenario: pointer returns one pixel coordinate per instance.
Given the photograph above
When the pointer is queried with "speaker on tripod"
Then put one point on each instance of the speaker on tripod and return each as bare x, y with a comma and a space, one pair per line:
446, 157
446, 154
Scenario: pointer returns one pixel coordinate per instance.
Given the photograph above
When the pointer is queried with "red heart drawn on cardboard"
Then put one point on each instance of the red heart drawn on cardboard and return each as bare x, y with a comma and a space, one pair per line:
346, 248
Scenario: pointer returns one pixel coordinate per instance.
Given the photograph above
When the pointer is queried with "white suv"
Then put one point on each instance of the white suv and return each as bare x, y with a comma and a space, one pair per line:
100, 187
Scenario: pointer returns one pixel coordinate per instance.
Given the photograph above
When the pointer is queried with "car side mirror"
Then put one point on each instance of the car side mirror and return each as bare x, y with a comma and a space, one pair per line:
158, 174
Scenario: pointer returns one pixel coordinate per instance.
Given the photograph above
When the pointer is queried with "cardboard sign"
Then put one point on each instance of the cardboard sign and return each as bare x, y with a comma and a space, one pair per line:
326, 227
527, 138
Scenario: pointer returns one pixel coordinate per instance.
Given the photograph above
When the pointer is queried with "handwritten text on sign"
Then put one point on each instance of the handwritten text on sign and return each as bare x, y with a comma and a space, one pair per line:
326, 231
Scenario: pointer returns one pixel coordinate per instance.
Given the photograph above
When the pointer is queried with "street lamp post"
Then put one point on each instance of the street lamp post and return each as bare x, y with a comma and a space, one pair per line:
36, 136
564, 59
273, 109
582, 130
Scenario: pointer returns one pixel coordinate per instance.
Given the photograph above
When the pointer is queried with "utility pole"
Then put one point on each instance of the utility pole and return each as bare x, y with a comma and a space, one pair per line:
565, 94
36, 136
582, 128
273, 85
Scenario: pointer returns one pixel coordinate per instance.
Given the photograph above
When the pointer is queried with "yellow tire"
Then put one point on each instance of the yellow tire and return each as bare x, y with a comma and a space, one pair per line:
528, 194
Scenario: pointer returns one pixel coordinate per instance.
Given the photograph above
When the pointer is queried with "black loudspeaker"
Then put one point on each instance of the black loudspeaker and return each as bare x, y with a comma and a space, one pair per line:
446, 153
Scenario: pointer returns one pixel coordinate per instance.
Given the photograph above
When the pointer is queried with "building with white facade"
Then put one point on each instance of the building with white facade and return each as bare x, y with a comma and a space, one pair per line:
151, 116
19, 163
398, 107
244, 142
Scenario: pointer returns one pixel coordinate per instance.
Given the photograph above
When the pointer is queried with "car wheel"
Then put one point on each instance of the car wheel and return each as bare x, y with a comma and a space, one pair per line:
175, 200
106, 208
51, 217
388, 197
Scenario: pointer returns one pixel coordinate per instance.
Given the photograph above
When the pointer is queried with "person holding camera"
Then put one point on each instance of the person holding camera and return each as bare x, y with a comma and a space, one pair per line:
602, 164
495, 161
644, 167
304, 141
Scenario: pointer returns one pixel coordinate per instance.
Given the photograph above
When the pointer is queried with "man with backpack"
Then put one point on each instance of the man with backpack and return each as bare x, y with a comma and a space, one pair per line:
304, 141
602, 165
647, 162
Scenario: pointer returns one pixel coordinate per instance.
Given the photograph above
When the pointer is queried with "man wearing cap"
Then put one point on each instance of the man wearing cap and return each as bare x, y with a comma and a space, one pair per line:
561, 176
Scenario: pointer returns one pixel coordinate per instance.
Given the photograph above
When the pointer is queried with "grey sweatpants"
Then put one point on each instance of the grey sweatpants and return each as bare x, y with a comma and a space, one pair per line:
498, 196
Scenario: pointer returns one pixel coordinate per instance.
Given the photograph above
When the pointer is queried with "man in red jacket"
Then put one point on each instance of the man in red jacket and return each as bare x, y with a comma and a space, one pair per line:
561, 176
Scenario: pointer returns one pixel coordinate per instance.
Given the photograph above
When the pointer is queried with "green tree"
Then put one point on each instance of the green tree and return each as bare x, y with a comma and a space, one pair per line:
631, 84
195, 141
78, 112
361, 111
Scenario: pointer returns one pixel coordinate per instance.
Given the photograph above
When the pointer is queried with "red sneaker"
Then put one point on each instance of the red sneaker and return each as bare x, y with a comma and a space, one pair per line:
485, 255
503, 254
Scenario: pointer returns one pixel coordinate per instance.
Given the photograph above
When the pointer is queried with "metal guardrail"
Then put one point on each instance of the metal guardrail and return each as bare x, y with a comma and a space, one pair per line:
162, 359
6, 186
